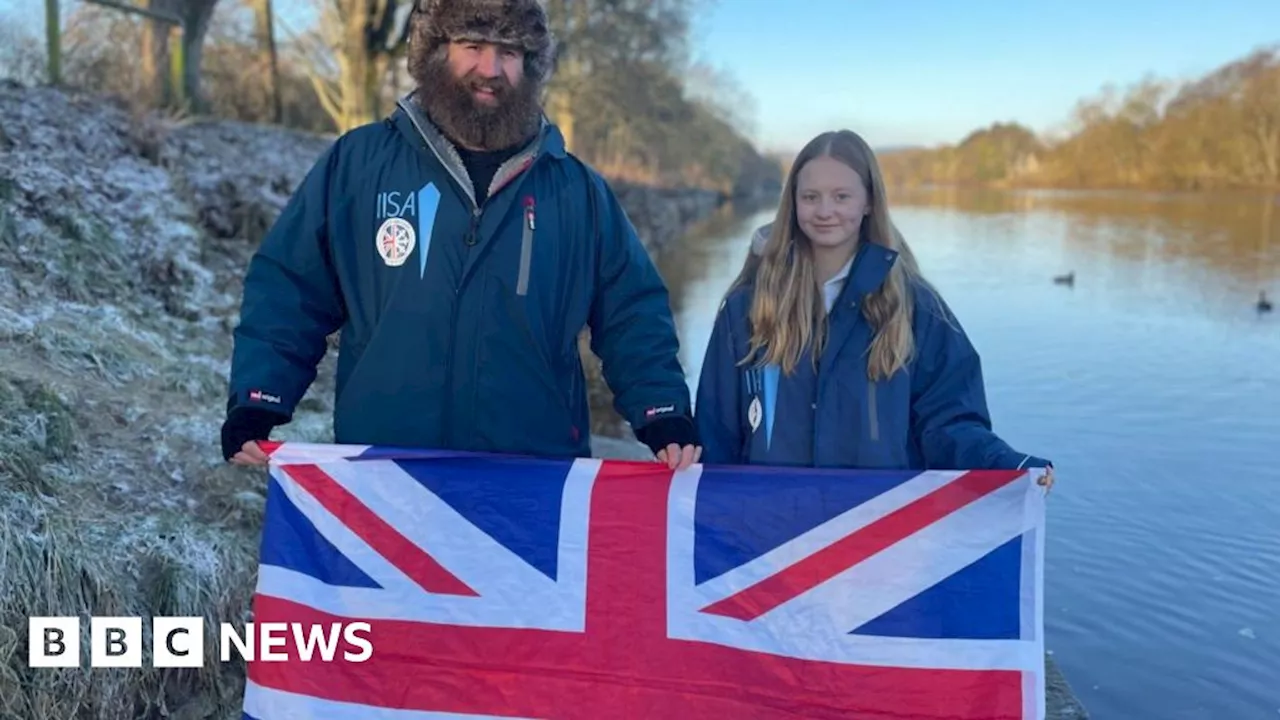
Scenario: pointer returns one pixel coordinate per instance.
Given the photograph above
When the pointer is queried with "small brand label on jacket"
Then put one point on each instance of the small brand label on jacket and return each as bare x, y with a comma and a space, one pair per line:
660, 410
259, 396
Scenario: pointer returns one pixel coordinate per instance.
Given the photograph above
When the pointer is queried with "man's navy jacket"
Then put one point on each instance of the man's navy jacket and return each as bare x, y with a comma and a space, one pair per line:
459, 324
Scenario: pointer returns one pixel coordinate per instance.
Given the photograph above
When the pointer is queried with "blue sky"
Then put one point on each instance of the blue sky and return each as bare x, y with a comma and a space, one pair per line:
916, 72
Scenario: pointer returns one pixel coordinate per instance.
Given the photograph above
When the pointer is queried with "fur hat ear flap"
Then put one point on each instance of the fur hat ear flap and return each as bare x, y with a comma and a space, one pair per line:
520, 24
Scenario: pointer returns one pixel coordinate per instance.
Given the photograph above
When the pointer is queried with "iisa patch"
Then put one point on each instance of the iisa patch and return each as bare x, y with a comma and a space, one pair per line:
395, 241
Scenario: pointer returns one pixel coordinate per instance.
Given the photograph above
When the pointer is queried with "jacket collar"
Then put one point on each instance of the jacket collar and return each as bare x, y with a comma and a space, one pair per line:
871, 265
412, 120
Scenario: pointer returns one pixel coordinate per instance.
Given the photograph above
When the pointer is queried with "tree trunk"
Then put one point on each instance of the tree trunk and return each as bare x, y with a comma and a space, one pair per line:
354, 74
171, 70
53, 41
196, 20
159, 90
264, 34
379, 65
560, 110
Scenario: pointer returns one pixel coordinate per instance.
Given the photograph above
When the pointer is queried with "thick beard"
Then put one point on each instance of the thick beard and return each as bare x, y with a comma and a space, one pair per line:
451, 106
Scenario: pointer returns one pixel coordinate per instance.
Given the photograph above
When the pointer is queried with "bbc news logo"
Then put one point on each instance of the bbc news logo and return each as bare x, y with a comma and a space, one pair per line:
178, 642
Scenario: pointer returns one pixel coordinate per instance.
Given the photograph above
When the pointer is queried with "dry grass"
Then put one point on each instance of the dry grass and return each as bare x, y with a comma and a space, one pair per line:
60, 561
123, 512
96, 525
113, 499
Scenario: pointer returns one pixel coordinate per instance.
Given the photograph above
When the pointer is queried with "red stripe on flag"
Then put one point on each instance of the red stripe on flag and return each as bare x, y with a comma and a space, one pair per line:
769, 593
396, 548
573, 676
627, 554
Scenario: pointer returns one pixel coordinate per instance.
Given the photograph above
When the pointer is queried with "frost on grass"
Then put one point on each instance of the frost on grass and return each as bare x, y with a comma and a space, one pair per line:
86, 219
97, 341
115, 312
57, 561
240, 176
123, 242
36, 428
90, 525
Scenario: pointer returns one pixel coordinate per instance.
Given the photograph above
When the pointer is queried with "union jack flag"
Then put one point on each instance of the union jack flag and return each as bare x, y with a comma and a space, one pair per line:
501, 587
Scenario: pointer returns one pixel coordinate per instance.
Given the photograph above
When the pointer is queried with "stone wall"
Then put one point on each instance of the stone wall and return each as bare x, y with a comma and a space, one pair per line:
662, 215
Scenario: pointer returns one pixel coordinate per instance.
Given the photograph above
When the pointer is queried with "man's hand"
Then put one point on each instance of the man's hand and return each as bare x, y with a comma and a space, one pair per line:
250, 454
241, 432
678, 458
672, 440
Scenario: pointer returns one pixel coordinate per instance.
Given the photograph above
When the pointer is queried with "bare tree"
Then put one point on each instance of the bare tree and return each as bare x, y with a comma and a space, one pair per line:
364, 37
172, 48
265, 35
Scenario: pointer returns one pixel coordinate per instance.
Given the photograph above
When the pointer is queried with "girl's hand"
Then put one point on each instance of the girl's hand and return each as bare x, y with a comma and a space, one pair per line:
1046, 480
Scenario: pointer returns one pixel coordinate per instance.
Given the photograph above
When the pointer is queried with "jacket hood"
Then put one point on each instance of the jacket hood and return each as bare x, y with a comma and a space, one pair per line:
759, 238
412, 121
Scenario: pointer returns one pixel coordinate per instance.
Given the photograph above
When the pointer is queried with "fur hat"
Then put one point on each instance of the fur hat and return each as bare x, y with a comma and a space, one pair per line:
518, 23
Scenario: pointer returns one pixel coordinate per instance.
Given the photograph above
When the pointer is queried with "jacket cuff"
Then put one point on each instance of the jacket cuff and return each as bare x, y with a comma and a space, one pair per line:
1031, 461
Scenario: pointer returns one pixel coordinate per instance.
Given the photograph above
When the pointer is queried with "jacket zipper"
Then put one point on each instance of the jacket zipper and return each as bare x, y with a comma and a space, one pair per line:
470, 240
574, 432
873, 416
526, 247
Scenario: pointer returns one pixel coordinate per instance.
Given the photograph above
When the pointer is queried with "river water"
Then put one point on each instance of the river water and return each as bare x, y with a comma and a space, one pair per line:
1152, 383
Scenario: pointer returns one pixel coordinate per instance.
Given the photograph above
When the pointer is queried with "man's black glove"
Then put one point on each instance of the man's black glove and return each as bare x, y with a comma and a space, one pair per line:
677, 429
244, 424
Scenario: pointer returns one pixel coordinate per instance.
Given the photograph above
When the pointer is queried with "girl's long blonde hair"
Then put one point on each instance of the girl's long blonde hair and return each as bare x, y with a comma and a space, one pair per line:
787, 310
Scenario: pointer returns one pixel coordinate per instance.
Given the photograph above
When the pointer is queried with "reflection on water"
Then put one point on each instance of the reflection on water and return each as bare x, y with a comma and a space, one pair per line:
1153, 385
1234, 235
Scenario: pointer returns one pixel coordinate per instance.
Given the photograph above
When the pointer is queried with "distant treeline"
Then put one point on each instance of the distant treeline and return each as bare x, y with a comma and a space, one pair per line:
1220, 131
627, 98
625, 95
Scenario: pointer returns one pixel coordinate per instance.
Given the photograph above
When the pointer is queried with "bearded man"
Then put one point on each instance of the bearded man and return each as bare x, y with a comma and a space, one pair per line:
461, 250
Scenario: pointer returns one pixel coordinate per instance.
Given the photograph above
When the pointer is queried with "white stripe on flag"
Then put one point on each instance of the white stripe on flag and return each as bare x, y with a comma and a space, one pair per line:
575, 525
1035, 696
496, 573
263, 703
523, 597
816, 625
302, 453
373, 564
820, 537
903, 570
